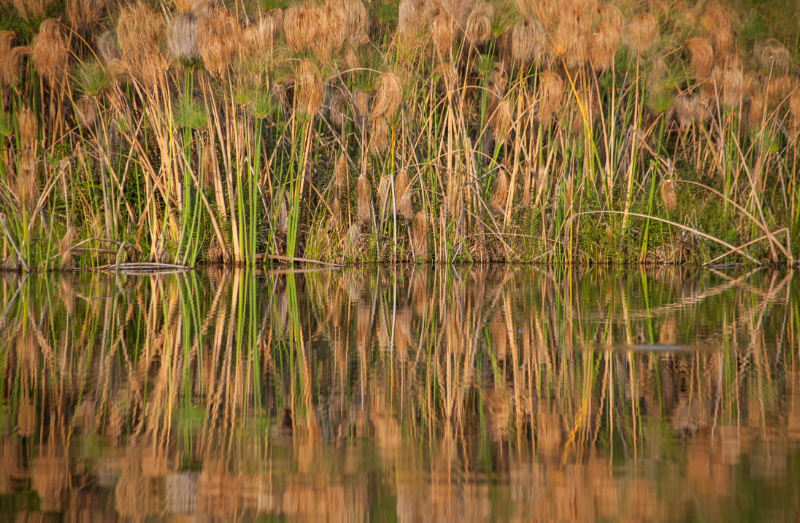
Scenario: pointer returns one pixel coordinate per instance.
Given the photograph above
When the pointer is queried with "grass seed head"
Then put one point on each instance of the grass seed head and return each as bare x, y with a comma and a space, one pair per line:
772, 56
49, 51
256, 42
411, 17
501, 121
551, 95
364, 199
668, 196
302, 25
499, 195
571, 39
217, 40
384, 188
479, 24
717, 20
182, 36
340, 173
9, 59
641, 33
107, 47
604, 45
527, 42
684, 110
85, 112
336, 212
84, 15
732, 84
443, 36
701, 57
379, 135
419, 236
361, 106
29, 189
404, 194
26, 123
309, 91
388, 96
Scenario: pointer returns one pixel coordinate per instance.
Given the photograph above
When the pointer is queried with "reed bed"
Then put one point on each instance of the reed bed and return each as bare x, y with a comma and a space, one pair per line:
424, 130
249, 392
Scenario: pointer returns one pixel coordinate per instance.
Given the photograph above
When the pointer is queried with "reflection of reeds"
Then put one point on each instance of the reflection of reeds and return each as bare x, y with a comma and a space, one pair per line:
464, 361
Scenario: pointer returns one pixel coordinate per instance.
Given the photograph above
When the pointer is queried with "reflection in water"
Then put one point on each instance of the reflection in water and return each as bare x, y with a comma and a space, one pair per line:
489, 393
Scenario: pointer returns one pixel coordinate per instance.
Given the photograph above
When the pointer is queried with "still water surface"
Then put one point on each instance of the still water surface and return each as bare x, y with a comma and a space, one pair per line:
411, 394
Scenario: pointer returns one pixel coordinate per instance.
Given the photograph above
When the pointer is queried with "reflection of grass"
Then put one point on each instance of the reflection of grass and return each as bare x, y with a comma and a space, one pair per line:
449, 362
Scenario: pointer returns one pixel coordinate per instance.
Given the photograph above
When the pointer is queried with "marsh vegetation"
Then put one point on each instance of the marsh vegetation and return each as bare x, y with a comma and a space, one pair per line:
424, 130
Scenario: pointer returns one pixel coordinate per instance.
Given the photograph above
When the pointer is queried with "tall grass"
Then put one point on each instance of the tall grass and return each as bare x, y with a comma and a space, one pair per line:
442, 131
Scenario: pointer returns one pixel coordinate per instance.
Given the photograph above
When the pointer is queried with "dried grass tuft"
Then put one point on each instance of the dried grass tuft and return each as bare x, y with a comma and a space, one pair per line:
9, 59
443, 36
701, 57
361, 106
27, 186
717, 20
182, 37
379, 135
217, 40
501, 121
479, 24
309, 91
84, 15
302, 25
604, 45
772, 56
256, 42
388, 96
755, 112
27, 125
684, 110
551, 96
778, 89
65, 249
419, 237
668, 196
732, 82
364, 199
107, 47
527, 42
499, 195
402, 187
641, 33
340, 173
49, 52
140, 33
85, 112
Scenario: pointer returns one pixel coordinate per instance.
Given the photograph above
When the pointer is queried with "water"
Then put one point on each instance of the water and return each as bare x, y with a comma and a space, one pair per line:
483, 394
